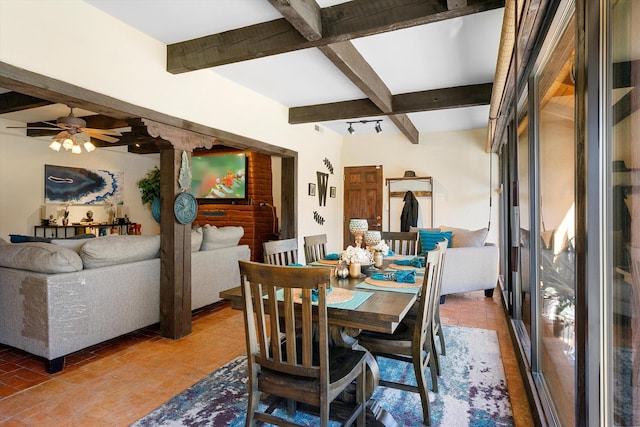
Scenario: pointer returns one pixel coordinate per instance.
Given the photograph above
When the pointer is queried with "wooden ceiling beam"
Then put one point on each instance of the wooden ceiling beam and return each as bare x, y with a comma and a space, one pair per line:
304, 15
13, 101
341, 22
428, 100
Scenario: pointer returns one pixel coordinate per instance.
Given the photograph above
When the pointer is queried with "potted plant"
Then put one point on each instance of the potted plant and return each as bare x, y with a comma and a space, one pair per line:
150, 189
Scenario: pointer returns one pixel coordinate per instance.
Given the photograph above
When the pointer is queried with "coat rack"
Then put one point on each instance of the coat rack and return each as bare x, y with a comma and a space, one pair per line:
421, 187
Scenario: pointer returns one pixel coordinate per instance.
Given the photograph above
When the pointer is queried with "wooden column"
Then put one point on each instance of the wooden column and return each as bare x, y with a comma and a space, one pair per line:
175, 254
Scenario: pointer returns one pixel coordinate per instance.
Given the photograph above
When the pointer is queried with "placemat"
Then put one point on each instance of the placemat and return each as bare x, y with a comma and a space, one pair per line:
356, 298
393, 284
337, 295
398, 257
328, 261
365, 285
404, 267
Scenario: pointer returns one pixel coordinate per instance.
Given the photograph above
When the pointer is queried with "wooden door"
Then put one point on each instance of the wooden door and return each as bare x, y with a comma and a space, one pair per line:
362, 198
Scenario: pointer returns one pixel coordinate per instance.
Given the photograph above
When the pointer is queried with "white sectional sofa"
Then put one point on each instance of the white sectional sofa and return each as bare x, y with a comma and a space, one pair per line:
470, 263
75, 300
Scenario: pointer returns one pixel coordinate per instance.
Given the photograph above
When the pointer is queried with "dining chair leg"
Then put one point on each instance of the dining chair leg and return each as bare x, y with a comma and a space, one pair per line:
361, 395
432, 364
443, 349
419, 366
435, 357
252, 406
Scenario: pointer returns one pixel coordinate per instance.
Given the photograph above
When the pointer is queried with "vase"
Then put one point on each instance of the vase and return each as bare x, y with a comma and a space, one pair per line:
354, 270
377, 259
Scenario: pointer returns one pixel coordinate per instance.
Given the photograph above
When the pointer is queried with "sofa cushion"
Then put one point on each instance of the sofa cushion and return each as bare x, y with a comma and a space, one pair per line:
463, 238
196, 239
222, 237
40, 257
428, 239
115, 249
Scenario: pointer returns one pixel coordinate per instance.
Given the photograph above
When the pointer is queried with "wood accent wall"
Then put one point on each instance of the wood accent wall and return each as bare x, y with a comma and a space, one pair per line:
255, 215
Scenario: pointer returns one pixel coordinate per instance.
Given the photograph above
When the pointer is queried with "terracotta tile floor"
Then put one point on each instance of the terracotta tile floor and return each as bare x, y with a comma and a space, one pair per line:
120, 381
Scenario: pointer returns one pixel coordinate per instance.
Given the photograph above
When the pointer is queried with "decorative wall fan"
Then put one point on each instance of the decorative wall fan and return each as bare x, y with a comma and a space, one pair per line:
73, 132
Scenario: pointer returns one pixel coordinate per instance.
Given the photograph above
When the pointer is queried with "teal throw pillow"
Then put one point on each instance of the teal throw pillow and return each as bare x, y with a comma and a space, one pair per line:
428, 239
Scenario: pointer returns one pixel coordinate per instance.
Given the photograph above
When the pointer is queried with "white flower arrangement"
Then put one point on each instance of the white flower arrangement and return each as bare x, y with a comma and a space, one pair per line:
382, 247
353, 255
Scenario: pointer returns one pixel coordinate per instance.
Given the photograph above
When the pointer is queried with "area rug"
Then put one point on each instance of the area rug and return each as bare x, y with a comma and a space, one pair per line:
472, 390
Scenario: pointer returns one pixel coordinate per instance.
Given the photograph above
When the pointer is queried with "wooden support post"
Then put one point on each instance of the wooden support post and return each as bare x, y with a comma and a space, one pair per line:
175, 254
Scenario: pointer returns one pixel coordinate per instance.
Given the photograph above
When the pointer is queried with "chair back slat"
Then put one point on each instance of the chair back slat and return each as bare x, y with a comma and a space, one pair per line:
401, 242
281, 252
315, 247
289, 297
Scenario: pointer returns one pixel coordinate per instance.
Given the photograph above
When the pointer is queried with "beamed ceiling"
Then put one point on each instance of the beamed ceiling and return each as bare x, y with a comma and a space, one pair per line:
328, 61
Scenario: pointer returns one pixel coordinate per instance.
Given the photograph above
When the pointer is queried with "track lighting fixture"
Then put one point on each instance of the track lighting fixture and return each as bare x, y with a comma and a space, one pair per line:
378, 126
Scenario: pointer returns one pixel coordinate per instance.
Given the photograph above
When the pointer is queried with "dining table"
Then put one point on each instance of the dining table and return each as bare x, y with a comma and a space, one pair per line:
377, 307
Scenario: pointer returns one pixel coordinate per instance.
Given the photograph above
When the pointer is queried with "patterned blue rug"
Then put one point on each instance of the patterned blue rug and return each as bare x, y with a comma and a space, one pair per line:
472, 390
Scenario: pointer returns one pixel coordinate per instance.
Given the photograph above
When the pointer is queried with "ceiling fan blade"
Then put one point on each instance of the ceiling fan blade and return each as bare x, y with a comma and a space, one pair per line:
103, 137
101, 131
30, 127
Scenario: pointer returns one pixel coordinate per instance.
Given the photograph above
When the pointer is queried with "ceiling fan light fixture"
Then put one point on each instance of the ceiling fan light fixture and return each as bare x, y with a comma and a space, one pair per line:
76, 149
68, 143
89, 146
55, 145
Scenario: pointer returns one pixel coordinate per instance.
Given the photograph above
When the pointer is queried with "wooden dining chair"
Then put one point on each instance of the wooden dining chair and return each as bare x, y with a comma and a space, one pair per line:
436, 324
300, 367
315, 247
412, 341
401, 242
281, 252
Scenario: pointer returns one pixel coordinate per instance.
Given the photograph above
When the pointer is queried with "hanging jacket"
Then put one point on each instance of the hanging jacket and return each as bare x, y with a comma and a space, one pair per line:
409, 216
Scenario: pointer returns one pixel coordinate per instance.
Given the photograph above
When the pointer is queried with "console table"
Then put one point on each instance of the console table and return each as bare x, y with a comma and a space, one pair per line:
64, 231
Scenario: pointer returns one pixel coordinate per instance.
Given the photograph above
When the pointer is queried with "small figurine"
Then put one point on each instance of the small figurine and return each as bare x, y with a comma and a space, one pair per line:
52, 220
89, 217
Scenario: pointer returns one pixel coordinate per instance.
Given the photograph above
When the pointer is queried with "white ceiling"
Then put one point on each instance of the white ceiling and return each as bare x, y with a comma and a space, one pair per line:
459, 51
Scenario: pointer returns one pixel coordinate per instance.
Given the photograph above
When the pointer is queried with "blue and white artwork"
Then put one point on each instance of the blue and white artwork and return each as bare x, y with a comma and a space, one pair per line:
81, 186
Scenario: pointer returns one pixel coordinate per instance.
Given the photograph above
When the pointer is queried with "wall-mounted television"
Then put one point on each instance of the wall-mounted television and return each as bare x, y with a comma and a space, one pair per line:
219, 178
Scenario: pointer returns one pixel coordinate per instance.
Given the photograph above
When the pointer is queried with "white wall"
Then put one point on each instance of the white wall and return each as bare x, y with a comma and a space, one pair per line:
456, 161
22, 161
116, 60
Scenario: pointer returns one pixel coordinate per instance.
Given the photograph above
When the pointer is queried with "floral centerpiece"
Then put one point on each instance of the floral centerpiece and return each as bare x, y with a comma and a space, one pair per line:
382, 247
356, 255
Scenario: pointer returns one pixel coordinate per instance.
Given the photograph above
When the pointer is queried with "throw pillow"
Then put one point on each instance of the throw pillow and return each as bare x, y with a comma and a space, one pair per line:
196, 239
116, 249
463, 238
220, 237
20, 238
428, 239
39, 257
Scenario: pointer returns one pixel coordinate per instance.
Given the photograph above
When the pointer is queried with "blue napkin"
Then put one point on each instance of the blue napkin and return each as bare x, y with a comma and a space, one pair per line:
390, 253
314, 294
406, 276
417, 262
333, 257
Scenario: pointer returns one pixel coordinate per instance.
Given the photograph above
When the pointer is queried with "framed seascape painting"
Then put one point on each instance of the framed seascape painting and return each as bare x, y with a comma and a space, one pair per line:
219, 178
79, 186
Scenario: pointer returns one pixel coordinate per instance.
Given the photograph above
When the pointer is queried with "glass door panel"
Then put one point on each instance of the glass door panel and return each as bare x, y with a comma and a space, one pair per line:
624, 210
555, 248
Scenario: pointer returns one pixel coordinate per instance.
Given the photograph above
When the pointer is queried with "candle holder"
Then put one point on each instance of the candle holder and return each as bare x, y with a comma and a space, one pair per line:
357, 227
372, 238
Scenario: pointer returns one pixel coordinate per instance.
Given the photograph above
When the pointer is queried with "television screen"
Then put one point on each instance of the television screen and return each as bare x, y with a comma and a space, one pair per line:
219, 177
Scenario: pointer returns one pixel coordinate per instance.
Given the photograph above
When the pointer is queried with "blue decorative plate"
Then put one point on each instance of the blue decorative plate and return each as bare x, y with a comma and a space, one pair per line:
185, 208
155, 209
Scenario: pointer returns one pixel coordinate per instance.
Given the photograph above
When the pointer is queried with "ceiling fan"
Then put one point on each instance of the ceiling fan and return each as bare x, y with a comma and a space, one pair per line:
73, 132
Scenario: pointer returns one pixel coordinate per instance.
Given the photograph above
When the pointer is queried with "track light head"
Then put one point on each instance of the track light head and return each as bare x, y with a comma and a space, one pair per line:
351, 130
378, 128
